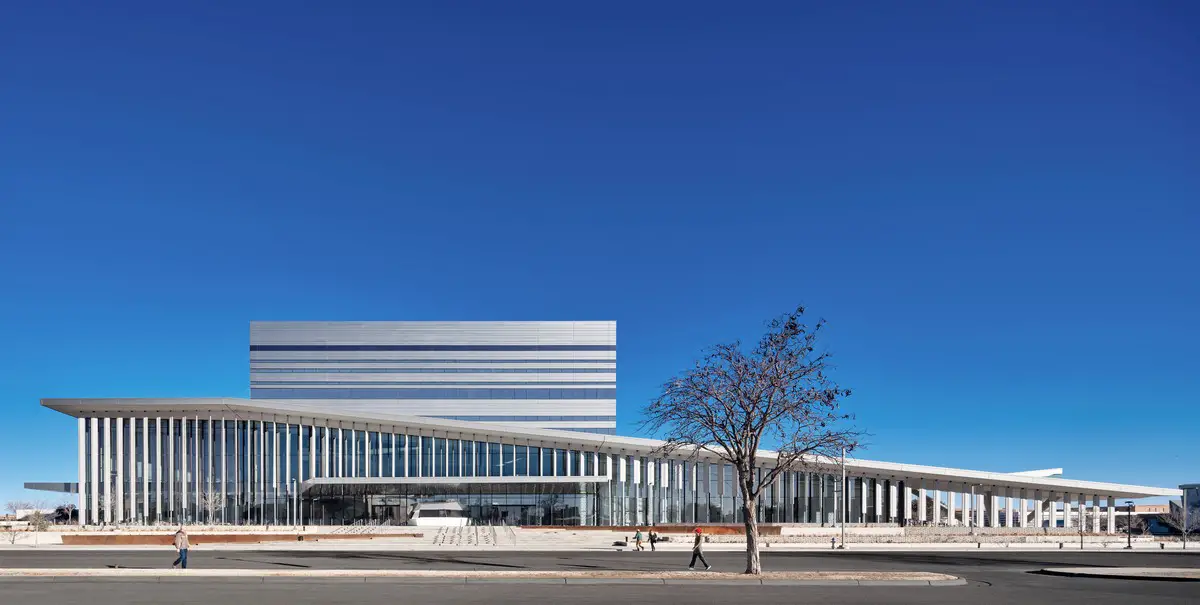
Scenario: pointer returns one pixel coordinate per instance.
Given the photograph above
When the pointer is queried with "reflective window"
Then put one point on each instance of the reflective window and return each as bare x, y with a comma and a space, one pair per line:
481, 459
508, 464
413, 456
468, 458
535, 461
547, 462
493, 459
455, 465
426, 456
561, 469
522, 461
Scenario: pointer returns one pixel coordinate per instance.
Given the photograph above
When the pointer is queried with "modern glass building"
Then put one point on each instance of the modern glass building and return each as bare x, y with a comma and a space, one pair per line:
328, 437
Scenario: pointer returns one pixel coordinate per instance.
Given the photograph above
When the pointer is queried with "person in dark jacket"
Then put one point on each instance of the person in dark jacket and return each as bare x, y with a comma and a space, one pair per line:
653, 540
698, 551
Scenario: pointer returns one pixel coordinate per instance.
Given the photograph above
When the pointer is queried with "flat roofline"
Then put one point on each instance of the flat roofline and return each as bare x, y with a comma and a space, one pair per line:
947, 477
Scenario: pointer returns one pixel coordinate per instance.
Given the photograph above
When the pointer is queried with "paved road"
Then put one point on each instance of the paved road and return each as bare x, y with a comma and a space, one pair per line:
994, 578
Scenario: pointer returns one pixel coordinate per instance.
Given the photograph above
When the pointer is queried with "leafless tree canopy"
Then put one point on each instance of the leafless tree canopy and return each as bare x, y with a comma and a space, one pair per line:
777, 395
1175, 520
211, 502
732, 403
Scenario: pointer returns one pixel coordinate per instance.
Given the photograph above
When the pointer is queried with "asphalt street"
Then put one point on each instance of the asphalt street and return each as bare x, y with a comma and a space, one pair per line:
993, 578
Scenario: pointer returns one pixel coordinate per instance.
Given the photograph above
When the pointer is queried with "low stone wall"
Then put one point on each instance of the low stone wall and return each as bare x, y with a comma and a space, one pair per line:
945, 539
123, 539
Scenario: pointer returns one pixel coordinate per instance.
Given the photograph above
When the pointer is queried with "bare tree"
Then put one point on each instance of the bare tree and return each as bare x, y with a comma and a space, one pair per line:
1174, 518
37, 518
12, 507
1135, 523
211, 503
778, 395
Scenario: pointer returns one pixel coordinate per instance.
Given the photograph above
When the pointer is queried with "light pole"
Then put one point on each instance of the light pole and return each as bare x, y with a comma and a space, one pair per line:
1129, 525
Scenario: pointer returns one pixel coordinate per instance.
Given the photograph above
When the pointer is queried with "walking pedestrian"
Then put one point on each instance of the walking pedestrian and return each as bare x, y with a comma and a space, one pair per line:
653, 540
181, 545
698, 551
637, 540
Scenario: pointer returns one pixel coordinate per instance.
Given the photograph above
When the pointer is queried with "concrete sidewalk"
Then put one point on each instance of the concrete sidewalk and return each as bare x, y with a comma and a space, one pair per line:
1128, 573
806, 578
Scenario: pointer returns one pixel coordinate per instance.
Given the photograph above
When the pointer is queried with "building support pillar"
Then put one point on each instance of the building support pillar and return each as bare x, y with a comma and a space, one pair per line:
1023, 521
94, 487
1112, 514
922, 513
106, 473
81, 496
1067, 511
1095, 514
994, 504
119, 482
950, 517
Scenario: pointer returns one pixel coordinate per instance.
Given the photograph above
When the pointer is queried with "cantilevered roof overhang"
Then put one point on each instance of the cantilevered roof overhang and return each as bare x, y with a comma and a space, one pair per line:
364, 418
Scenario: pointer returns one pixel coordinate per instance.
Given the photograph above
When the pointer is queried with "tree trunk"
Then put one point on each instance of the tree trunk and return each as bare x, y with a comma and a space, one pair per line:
753, 560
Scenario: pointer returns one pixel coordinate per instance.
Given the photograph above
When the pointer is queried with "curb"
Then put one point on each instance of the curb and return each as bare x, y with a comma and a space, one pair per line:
464, 581
1070, 573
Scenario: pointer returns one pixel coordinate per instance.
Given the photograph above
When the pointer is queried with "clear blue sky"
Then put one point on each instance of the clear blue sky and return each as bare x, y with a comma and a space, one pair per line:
995, 205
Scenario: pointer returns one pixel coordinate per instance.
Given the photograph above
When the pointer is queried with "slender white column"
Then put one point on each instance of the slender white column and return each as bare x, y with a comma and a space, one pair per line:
1067, 511
379, 456
862, 498
94, 488
287, 458
967, 502
906, 501
198, 477
1095, 514
275, 471
353, 453
1010, 506
119, 451
325, 451
146, 458
994, 513
937, 505
922, 504
131, 464
312, 451
261, 488
950, 520
82, 492
107, 447
171, 478
985, 500
1023, 521
211, 467
893, 500
1112, 514
224, 471
107, 473
879, 501
1039, 508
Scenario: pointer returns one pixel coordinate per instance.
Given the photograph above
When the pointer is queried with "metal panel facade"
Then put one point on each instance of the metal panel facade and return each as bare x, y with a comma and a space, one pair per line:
537, 374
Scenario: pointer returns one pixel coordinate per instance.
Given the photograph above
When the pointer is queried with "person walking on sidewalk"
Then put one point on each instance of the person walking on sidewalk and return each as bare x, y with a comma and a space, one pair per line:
637, 540
698, 551
181, 545
653, 540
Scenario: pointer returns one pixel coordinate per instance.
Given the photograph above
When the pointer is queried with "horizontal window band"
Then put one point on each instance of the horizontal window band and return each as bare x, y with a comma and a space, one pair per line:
409, 360
434, 370
529, 418
284, 383
433, 347
429, 393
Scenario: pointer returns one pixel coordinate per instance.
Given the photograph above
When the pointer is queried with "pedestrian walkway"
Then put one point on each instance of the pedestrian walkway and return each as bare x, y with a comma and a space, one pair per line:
823, 578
